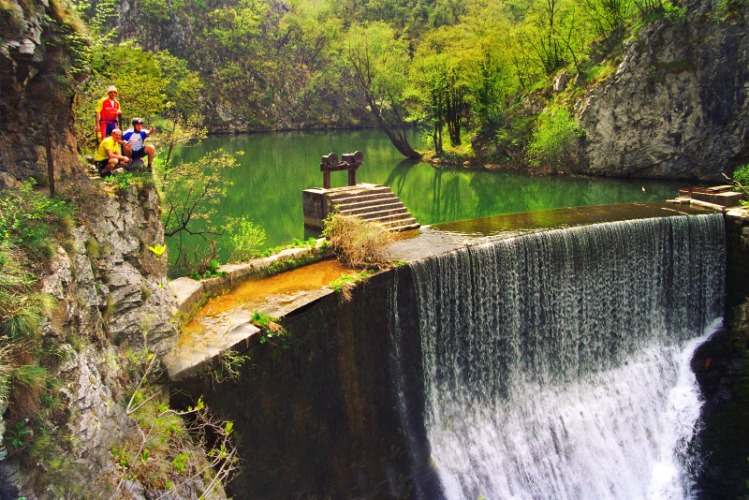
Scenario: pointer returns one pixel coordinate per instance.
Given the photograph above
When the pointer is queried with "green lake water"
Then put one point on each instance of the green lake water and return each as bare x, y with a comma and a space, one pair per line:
277, 167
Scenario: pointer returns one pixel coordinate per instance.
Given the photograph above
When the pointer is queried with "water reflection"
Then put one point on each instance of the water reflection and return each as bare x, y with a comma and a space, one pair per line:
276, 168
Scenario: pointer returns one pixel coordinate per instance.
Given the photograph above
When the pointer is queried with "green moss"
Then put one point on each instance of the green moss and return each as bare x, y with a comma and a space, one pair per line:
678, 66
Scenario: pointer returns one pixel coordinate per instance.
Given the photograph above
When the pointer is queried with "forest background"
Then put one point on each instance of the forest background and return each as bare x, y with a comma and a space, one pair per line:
499, 76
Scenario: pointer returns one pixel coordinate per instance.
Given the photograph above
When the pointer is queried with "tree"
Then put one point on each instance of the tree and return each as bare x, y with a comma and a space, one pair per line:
443, 64
609, 19
379, 65
190, 193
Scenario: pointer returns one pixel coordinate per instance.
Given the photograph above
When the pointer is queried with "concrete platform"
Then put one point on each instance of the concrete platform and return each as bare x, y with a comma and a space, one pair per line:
723, 196
374, 202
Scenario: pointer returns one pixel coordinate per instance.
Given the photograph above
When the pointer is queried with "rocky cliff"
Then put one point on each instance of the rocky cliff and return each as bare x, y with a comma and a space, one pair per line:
112, 303
40, 61
111, 300
678, 105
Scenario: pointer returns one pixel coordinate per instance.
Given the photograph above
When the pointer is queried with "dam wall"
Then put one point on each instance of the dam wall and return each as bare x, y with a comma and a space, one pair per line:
346, 405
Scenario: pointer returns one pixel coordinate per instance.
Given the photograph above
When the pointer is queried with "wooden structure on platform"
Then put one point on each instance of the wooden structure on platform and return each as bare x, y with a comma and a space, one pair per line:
349, 162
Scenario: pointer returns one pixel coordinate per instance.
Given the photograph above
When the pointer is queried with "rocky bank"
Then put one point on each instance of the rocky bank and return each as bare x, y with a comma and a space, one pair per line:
678, 104
40, 63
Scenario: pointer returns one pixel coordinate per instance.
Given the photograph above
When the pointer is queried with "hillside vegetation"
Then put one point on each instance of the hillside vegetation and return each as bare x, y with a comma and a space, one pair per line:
456, 68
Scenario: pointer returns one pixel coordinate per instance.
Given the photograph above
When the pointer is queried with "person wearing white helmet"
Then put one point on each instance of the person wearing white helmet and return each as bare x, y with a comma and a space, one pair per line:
135, 142
108, 113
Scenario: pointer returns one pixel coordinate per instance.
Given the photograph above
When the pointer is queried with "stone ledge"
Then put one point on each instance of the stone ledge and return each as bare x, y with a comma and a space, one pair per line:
229, 331
191, 293
184, 361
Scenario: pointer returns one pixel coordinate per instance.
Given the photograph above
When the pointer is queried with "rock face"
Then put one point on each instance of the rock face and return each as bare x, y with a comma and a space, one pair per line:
677, 106
38, 61
111, 283
112, 298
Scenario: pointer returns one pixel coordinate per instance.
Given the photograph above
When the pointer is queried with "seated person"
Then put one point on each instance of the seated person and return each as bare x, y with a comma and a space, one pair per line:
109, 156
134, 139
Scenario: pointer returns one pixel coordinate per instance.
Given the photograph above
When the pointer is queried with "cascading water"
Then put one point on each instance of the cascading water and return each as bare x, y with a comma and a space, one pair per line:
557, 364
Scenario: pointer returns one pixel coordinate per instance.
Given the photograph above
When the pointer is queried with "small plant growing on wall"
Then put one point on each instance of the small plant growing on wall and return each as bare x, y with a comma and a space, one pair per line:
247, 240
741, 182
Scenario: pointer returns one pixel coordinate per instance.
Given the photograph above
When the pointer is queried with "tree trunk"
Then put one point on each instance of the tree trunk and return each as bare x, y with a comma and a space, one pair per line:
396, 135
454, 114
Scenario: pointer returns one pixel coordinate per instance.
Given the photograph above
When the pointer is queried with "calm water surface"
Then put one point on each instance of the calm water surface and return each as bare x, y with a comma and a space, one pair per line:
276, 168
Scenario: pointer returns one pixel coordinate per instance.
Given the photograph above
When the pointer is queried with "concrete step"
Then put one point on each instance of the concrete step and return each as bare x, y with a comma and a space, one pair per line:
402, 224
382, 215
348, 200
359, 209
357, 191
388, 219
363, 201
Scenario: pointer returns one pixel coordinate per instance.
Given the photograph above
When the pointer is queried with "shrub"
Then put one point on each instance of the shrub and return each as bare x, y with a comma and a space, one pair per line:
357, 242
553, 139
29, 219
28, 383
741, 175
247, 239
741, 182
21, 310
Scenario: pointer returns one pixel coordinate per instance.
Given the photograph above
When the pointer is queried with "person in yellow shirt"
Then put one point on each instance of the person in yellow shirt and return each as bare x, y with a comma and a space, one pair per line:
109, 154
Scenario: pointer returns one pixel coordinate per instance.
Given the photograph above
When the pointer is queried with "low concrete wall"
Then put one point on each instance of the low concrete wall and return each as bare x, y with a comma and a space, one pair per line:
191, 294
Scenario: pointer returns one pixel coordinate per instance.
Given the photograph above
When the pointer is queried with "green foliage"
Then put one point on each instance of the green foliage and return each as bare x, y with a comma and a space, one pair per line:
728, 10
378, 61
651, 10
271, 331
261, 319
17, 436
158, 249
553, 139
311, 242
229, 366
340, 283
247, 239
191, 191
158, 11
30, 377
208, 273
741, 182
122, 181
172, 446
182, 86
741, 175
31, 220
180, 462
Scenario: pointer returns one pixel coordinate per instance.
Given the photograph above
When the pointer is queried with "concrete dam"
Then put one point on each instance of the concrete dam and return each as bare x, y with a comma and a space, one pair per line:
553, 364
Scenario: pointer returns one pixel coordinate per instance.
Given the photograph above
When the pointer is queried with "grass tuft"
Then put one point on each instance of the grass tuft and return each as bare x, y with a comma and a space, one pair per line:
357, 242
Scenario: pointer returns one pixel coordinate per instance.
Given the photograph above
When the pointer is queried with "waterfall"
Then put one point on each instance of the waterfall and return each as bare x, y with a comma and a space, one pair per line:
556, 365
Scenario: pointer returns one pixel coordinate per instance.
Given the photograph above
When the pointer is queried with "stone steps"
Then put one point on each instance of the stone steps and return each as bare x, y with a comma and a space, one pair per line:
375, 204
344, 200
364, 209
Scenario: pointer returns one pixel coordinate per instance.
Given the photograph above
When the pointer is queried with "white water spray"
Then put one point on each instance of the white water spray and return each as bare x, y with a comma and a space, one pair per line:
557, 365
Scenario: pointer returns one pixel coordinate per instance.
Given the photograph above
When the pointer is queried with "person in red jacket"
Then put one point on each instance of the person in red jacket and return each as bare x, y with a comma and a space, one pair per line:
108, 113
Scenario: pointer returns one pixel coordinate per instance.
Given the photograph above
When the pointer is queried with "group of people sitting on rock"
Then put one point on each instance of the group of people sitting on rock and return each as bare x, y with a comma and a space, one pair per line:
117, 149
